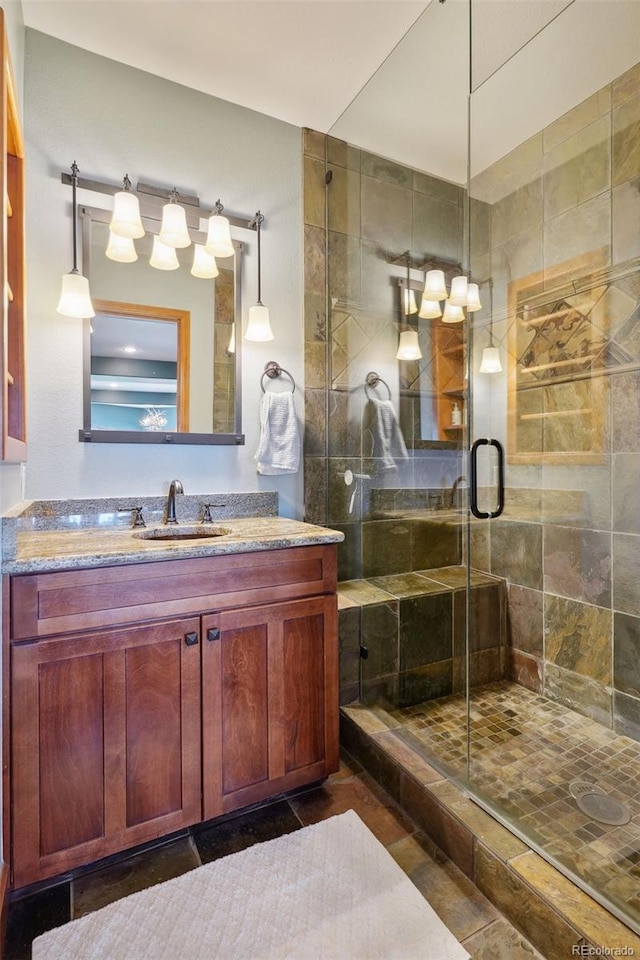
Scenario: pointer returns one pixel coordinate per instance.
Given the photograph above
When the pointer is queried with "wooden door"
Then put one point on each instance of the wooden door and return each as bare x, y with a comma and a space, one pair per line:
105, 743
270, 700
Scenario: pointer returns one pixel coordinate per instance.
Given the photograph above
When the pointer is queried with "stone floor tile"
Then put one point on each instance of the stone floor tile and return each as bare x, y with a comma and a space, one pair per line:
375, 808
456, 900
31, 916
500, 941
115, 880
237, 833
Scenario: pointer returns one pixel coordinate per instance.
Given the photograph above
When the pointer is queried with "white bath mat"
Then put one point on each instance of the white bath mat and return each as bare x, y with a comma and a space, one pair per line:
326, 892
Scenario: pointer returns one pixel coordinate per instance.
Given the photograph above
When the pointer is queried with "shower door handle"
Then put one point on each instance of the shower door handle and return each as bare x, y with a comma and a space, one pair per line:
473, 473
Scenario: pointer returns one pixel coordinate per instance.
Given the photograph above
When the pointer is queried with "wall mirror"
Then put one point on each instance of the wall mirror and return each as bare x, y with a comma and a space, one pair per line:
162, 363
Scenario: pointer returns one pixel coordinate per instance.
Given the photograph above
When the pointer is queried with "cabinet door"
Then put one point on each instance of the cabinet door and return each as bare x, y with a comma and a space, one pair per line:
105, 742
270, 701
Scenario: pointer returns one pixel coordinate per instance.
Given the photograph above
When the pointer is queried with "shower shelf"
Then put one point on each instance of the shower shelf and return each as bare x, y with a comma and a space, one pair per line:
455, 392
554, 315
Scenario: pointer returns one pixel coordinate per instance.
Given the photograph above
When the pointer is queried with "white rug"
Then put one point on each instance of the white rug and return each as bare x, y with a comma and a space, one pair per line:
326, 892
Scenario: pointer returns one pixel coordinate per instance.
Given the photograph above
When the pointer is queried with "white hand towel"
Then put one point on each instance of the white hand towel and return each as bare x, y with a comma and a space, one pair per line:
279, 445
388, 442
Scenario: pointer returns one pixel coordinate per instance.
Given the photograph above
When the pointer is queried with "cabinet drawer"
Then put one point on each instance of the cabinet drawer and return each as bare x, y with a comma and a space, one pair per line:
49, 604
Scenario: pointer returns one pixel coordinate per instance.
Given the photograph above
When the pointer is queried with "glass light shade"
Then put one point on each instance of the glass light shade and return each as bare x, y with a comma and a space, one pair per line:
232, 340
122, 249
125, 220
162, 256
452, 314
434, 285
473, 298
173, 230
259, 327
75, 299
410, 305
429, 309
408, 346
219, 237
458, 295
204, 265
490, 360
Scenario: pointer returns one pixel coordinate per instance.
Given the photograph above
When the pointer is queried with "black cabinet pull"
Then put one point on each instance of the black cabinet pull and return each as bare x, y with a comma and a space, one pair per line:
190, 639
213, 634
473, 472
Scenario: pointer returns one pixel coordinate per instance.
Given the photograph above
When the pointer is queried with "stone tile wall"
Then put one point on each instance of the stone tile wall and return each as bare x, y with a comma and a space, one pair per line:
411, 627
566, 203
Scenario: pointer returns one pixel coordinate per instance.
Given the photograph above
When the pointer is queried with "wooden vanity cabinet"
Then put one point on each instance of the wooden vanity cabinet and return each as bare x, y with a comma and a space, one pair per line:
268, 724
125, 731
106, 744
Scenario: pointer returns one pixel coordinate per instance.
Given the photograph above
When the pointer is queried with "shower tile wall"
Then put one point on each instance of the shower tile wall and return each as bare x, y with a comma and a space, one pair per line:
564, 204
370, 212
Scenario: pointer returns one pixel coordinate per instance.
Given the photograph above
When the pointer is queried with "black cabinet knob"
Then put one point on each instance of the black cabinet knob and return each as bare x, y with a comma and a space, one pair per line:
213, 634
190, 639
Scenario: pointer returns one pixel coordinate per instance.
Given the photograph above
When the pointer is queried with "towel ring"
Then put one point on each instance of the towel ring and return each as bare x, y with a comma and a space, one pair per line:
274, 370
373, 380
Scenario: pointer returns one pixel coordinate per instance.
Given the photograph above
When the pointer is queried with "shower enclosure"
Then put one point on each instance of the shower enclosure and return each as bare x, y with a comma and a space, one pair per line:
502, 645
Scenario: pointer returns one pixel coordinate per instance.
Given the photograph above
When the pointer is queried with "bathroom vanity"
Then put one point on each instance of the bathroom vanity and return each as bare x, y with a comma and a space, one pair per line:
157, 684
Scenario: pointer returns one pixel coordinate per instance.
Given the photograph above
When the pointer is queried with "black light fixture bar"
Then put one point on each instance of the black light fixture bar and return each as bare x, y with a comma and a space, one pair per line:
163, 194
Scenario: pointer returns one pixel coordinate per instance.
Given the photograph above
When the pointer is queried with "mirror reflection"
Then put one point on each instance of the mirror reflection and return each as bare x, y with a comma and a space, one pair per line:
162, 362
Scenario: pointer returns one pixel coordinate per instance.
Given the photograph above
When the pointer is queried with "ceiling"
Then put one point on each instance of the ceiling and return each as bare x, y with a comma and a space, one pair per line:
391, 76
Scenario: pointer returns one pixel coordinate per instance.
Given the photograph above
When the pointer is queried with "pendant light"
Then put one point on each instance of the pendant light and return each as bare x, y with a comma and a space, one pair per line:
408, 343
473, 298
232, 340
491, 355
125, 220
459, 291
75, 299
219, 243
162, 256
121, 249
434, 285
204, 265
429, 309
259, 327
410, 305
173, 230
452, 313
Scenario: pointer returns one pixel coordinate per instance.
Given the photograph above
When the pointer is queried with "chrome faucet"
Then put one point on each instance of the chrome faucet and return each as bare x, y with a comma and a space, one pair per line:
454, 490
175, 487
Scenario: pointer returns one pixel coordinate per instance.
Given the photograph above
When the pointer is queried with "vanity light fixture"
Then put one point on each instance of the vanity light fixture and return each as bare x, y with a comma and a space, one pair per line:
121, 249
408, 343
125, 220
204, 265
219, 243
163, 257
173, 229
464, 294
259, 327
75, 298
491, 355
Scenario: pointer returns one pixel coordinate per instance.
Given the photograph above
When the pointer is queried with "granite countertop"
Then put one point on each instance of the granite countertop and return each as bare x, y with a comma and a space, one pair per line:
47, 550
40, 536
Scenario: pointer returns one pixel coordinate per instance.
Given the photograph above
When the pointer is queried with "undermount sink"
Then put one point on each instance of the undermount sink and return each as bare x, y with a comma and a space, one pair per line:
183, 532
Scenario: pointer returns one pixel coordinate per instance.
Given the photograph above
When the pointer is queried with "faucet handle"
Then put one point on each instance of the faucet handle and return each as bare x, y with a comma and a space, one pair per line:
206, 511
137, 520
